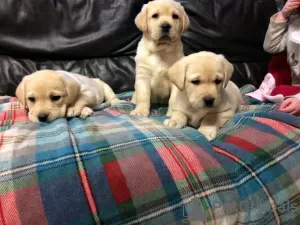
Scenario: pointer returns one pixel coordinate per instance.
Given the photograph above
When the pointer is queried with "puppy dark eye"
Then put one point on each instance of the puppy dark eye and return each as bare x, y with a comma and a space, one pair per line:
175, 16
31, 99
218, 81
55, 98
195, 82
155, 16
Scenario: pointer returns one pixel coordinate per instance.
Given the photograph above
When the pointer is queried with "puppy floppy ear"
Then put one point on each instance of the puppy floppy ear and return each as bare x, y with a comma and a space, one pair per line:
228, 69
21, 92
141, 19
176, 73
73, 89
184, 18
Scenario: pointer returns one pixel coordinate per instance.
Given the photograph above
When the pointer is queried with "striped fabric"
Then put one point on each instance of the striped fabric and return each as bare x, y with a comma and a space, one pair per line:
113, 168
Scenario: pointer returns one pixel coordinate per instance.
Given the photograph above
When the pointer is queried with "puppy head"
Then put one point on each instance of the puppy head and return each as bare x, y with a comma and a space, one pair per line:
162, 21
203, 76
47, 95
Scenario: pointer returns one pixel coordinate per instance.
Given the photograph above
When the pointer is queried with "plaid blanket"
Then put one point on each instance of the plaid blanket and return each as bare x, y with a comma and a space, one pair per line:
113, 168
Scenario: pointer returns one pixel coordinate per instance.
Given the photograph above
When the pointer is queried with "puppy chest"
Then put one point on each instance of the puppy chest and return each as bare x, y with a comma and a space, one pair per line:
160, 62
195, 117
194, 122
160, 89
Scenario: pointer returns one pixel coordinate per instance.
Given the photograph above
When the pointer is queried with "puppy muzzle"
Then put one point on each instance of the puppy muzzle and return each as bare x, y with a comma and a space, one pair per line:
205, 103
165, 27
43, 117
209, 101
165, 32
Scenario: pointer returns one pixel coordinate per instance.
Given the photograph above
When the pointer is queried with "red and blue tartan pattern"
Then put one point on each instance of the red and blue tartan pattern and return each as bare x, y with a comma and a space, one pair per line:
113, 168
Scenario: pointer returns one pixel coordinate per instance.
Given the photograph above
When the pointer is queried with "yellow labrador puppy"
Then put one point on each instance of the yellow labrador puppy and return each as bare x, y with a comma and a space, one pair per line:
52, 94
162, 23
205, 98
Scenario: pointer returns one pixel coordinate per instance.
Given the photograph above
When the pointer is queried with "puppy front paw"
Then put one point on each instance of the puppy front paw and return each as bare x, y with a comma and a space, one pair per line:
85, 112
140, 112
209, 132
74, 111
115, 101
71, 112
169, 112
173, 123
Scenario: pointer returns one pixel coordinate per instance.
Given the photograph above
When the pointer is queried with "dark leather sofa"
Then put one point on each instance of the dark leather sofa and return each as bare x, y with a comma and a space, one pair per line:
99, 38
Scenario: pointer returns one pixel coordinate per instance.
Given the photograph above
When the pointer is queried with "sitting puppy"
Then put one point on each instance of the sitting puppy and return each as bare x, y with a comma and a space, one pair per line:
205, 97
53, 94
162, 23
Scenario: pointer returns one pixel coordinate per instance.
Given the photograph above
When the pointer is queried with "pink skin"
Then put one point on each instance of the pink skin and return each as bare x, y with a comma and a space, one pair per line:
287, 10
291, 106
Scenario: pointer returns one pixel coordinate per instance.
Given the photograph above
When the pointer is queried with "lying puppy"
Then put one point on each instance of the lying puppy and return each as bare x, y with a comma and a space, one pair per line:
205, 98
162, 23
53, 94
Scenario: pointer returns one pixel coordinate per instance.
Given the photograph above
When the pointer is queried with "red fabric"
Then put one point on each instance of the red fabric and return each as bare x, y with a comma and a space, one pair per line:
286, 90
117, 182
280, 70
239, 141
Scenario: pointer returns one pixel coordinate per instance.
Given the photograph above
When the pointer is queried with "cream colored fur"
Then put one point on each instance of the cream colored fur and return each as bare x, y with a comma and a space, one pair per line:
197, 77
56, 94
157, 52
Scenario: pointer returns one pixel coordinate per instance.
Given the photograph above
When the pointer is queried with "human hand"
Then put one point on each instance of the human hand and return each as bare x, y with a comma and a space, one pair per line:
291, 106
287, 10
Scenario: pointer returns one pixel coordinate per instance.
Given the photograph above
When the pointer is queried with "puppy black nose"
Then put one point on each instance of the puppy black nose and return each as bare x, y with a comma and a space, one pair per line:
165, 27
209, 101
43, 117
